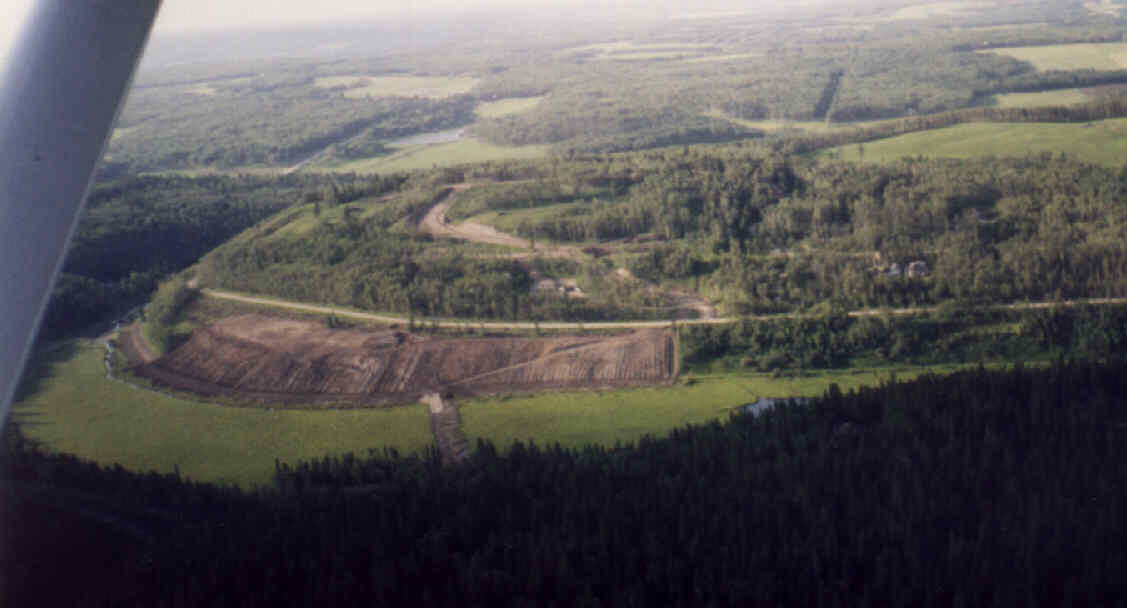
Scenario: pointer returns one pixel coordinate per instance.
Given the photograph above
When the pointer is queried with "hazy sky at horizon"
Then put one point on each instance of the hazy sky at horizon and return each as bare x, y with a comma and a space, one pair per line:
199, 15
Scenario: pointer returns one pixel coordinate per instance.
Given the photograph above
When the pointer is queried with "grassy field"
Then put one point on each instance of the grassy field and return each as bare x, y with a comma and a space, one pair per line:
1102, 142
934, 10
628, 50
434, 87
507, 107
1107, 56
206, 171
773, 126
1061, 97
77, 410
721, 58
121, 132
1105, 8
466, 150
203, 89
645, 55
606, 417
507, 221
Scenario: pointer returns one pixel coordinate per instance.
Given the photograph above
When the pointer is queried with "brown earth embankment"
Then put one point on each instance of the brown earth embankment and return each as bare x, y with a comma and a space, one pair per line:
268, 359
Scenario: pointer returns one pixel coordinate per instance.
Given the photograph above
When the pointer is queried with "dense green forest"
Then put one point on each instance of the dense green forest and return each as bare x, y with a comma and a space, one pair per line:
764, 234
642, 84
982, 488
369, 255
952, 334
685, 154
138, 230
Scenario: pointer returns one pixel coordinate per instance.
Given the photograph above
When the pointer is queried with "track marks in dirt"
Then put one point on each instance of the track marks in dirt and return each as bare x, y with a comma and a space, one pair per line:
263, 358
446, 423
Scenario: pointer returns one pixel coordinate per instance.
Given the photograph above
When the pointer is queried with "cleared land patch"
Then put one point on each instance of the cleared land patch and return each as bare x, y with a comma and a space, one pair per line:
508, 106
777, 125
1061, 97
722, 58
935, 10
433, 87
464, 151
628, 50
78, 410
1110, 8
608, 417
283, 360
1102, 56
1102, 142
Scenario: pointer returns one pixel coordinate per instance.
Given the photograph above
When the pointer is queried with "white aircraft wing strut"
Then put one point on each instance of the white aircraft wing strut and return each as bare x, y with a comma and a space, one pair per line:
64, 86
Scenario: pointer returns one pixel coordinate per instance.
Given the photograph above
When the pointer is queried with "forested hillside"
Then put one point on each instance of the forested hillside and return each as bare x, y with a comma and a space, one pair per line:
757, 234
644, 83
980, 488
138, 230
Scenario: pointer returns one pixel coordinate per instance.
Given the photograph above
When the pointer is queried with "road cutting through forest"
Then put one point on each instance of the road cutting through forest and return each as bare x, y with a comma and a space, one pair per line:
437, 224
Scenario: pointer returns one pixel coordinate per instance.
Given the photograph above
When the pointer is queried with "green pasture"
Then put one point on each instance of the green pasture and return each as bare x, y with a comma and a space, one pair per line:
628, 50
464, 151
507, 107
121, 132
722, 58
1042, 99
433, 87
508, 220
299, 221
1102, 142
1100, 56
258, 170
1105, 8
576, 419
645, 55
935, 10
75, 409
203, 89
777, 125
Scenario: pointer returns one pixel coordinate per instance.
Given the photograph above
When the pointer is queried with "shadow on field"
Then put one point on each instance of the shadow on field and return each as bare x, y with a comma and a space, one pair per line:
41, 367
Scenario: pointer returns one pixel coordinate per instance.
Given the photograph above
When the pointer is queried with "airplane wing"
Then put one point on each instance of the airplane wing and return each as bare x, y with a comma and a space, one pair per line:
64, 86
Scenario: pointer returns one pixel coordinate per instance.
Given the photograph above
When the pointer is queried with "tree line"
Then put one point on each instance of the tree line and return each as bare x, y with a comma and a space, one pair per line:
983, 487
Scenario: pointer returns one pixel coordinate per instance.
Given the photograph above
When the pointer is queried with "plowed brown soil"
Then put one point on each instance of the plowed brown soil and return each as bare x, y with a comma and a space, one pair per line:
265, 358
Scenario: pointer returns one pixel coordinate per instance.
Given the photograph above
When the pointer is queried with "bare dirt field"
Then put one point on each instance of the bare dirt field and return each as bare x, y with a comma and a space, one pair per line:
265, 358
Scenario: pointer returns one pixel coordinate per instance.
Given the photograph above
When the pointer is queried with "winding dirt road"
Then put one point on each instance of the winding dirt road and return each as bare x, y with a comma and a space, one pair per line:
437, 224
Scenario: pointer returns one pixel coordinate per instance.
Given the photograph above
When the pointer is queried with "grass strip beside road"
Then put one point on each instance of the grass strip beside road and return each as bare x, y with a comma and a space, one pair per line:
526, 325
577, 419
77, 410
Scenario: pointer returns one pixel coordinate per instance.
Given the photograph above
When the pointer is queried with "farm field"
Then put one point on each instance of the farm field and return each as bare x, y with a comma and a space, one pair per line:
1101, 142
810, 126
509, 220
1109, 8
208, 171
465, 150
936, 10
508, 106
723, 58
77, 410
608, 417
1042, 99
1102, 56
433, 87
